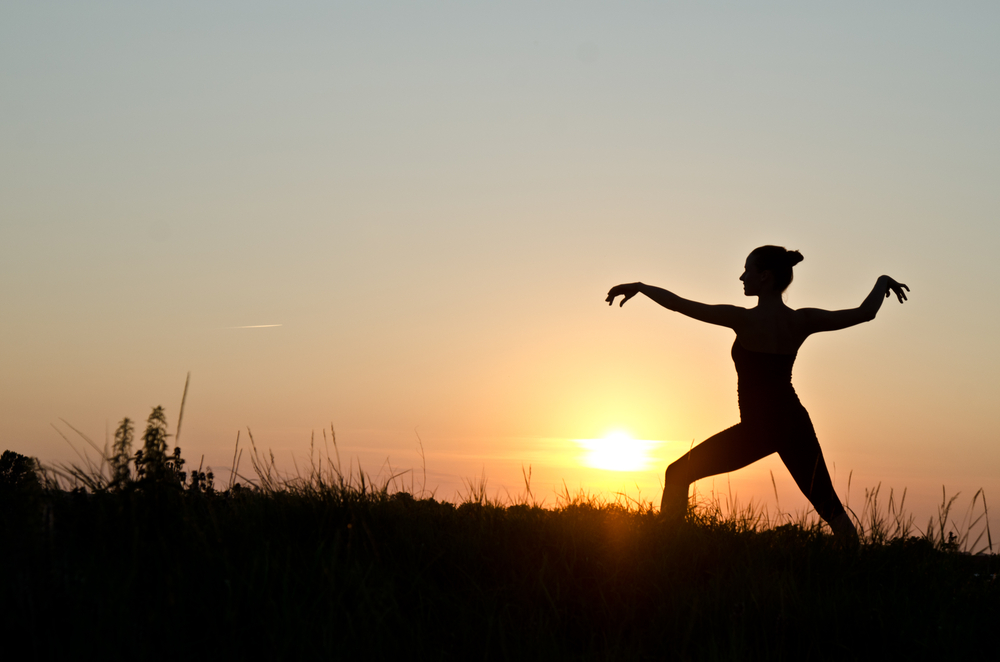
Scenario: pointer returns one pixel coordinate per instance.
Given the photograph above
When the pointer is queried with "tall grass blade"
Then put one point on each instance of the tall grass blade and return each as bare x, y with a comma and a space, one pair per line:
180, 414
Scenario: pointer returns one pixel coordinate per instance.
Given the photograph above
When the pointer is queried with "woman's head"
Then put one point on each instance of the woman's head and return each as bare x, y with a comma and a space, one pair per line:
778, 261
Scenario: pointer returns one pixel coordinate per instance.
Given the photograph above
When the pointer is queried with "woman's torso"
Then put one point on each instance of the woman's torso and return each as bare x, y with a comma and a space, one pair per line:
772, 330
764, 385
767, 342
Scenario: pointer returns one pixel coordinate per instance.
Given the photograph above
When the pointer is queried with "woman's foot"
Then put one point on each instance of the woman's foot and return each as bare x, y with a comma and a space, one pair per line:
674, 504
843, 528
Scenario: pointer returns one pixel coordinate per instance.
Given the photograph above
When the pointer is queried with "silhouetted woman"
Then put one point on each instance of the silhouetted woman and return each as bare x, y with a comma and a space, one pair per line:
772, 420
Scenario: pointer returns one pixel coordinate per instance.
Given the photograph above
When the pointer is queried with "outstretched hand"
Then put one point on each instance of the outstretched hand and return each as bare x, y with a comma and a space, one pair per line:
628, 291
897, 289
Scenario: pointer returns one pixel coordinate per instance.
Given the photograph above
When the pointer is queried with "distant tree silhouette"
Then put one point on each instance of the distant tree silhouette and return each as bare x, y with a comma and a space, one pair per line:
18, 473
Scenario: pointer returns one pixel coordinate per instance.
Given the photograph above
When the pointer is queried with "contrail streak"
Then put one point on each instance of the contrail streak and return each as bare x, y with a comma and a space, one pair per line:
255, 326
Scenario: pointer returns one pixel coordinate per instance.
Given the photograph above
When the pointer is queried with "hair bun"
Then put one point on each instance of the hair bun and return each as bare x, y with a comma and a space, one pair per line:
793, 257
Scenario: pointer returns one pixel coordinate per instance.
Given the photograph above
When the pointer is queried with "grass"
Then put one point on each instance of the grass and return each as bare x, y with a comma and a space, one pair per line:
331, 563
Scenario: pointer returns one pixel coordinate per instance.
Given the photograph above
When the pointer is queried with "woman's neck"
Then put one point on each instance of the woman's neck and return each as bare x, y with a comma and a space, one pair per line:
770, 300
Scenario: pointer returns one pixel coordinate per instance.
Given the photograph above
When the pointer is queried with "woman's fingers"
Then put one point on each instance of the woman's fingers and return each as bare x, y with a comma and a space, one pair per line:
616, 291
898, 289
626, 291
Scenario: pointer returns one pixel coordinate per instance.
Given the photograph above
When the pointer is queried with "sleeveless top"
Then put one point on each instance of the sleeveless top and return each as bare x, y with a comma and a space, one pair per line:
764, 386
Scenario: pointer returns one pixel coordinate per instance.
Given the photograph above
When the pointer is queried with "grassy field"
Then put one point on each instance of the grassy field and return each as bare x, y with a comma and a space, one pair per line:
145, 562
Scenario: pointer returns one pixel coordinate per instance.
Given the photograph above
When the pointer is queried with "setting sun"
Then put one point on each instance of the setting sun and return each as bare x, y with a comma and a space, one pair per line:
616, 451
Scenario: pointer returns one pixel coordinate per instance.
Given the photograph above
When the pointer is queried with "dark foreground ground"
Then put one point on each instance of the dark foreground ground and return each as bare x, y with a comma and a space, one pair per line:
331, 574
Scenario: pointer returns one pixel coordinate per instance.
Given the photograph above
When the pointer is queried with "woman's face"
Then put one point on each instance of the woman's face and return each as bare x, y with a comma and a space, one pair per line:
753, 279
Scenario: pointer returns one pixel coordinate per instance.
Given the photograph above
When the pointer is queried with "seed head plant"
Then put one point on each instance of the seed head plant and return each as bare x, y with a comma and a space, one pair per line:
153, 464
122, 454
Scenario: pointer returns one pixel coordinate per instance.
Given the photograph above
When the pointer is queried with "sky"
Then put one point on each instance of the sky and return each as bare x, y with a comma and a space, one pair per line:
419, 207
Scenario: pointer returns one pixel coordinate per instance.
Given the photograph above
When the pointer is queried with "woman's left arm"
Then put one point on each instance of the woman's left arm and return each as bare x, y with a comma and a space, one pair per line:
817, 320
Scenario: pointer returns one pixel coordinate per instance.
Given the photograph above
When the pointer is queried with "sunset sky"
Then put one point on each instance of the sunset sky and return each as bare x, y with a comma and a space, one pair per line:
402, 219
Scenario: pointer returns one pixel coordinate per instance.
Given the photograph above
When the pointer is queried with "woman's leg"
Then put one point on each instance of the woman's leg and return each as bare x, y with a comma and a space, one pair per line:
804, 459
726, 451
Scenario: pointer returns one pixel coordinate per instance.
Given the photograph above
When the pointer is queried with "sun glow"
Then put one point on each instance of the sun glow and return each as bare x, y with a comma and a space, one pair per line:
617, 451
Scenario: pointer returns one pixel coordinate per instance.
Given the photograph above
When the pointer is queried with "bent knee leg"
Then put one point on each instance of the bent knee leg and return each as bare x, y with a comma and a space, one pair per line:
678, 474
674, 503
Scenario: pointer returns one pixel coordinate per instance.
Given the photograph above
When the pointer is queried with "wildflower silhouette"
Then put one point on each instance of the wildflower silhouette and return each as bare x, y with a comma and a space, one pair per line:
152, 463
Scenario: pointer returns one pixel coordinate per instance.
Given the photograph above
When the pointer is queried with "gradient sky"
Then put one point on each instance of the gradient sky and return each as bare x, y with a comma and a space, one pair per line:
431, 200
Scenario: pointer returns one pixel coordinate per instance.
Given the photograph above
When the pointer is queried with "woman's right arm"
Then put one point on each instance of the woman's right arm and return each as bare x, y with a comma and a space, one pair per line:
722, 315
